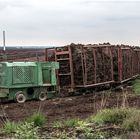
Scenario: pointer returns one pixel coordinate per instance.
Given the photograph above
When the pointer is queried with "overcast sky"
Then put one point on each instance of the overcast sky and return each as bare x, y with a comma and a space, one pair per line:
60, 22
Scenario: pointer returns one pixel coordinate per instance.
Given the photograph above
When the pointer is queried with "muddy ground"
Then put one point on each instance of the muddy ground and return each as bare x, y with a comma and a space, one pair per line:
80, 106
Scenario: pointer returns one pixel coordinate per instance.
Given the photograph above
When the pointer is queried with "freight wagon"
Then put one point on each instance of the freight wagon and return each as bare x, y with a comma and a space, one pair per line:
21, 81
83, 66
126, 62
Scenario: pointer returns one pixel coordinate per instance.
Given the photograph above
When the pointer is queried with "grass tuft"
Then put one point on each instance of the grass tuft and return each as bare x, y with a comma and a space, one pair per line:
110, 116
10, 127
26, 131
57, 124
37, 118
71, 123
133, 122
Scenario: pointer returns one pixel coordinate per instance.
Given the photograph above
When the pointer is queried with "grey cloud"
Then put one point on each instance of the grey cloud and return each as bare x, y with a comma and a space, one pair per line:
66, 21
13, 4
124, 18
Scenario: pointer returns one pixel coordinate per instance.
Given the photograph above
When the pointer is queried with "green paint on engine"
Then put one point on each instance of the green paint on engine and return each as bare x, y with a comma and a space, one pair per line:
27, 77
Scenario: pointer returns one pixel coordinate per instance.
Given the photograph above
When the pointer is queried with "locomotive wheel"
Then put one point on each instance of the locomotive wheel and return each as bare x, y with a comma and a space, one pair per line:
42, 96
20, 97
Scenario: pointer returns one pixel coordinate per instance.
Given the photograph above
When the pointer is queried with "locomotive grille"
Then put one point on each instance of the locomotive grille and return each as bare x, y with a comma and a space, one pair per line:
22, 75
28, 74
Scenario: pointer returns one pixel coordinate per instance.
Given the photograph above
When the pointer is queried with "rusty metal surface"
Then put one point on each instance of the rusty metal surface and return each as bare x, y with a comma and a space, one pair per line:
99, 64
128, 63
105, 58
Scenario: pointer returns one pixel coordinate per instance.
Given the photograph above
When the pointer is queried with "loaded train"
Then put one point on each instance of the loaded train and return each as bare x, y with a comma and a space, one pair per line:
68, 69
91, 66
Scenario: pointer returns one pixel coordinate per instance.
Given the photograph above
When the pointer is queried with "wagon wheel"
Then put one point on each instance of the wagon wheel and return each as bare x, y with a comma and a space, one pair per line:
42, 96
20, 97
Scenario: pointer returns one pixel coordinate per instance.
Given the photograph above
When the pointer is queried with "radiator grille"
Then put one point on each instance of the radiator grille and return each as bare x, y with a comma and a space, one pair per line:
22, 75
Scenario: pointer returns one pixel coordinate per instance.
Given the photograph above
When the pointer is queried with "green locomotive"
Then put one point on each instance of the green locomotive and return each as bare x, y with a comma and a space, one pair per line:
21, 81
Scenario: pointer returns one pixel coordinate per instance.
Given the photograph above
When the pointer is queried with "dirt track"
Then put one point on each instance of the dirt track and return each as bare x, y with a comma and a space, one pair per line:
77, 106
